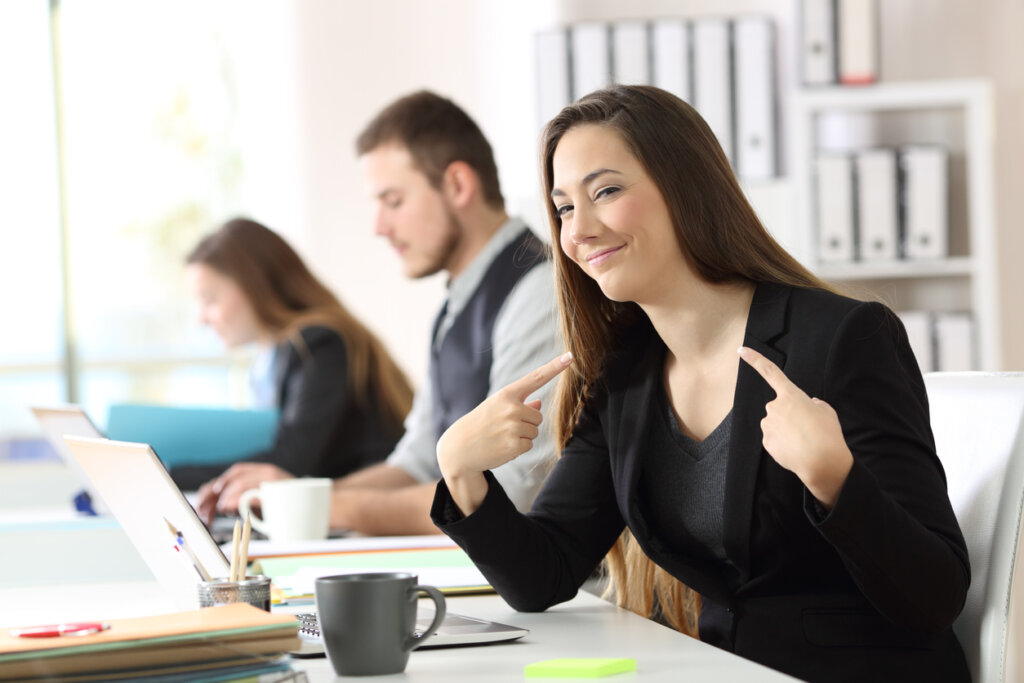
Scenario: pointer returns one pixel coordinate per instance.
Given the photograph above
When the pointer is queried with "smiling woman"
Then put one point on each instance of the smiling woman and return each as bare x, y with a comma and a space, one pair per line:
768, 501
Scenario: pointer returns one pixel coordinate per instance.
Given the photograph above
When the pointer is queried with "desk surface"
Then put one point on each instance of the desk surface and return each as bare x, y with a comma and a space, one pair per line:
585, 627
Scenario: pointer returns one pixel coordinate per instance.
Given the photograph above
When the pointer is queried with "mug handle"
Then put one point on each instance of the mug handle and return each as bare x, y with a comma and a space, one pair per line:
414, 640
245, 510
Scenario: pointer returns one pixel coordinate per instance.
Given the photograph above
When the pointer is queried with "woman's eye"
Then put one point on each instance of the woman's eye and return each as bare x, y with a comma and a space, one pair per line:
562, 210
605, 192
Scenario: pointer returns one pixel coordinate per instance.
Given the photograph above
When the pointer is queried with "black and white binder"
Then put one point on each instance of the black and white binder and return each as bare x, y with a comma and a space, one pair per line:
877, 209
551, 48
924, 201
712, 79
671, 60
818, 41
631, 53
835, 207
920, 329
591, 58
754, 54
954, 335
857, 26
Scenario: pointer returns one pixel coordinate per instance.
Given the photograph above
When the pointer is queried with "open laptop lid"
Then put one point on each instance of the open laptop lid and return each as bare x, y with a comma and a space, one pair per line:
139, 492
56, 421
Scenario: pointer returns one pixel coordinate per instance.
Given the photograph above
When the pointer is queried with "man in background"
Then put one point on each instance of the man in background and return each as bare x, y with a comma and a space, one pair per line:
432, 176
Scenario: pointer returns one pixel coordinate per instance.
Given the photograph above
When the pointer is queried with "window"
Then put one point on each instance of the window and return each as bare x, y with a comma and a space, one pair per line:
135, 107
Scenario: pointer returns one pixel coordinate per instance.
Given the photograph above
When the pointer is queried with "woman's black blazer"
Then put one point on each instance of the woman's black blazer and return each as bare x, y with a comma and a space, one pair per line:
865, 592
323, 431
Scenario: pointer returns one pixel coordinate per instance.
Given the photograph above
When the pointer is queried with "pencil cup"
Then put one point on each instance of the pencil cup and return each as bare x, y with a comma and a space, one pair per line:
254, 590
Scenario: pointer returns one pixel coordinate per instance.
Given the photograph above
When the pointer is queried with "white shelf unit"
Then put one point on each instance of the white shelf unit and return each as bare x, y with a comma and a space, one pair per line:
957, 114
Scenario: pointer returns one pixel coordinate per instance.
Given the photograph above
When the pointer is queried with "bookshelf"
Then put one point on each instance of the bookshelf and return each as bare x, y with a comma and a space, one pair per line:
956, 114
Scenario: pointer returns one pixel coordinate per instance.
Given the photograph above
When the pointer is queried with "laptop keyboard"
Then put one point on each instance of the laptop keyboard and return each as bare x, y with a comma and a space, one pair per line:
309, 625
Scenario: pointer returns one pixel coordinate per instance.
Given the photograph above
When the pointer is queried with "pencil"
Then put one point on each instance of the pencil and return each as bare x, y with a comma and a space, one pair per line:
235, 538
243, 551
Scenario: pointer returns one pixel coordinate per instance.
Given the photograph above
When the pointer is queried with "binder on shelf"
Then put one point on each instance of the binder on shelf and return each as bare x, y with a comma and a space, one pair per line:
857, 30
818, 41
954, 337
671, 61
754, 53
924, 197
631, 53
835, 207
591, 52
921, 333
712, 79
877, 210
551, 50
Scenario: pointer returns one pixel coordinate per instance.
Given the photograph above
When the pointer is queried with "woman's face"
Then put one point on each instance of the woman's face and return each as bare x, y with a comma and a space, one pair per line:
615, 224
223, 306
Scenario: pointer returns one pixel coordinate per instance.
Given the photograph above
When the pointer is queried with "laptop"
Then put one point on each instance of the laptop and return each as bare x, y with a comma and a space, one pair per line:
56, 421
71, 420
139, 492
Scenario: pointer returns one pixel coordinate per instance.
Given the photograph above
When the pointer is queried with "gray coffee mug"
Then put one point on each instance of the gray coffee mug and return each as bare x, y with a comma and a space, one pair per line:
368, 620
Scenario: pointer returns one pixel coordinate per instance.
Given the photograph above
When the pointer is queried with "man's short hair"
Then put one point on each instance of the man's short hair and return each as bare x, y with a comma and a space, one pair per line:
436, 131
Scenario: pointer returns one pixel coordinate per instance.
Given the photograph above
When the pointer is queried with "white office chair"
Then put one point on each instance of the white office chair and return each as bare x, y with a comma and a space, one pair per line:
978, 422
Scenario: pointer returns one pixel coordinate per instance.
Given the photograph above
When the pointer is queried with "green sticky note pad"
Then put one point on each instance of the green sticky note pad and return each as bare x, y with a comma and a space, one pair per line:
591, 667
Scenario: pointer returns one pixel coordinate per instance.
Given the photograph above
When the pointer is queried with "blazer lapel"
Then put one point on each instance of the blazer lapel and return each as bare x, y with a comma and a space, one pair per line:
635, 417
767, 320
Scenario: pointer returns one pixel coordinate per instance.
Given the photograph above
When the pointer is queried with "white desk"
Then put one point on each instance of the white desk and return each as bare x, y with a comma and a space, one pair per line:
584, 627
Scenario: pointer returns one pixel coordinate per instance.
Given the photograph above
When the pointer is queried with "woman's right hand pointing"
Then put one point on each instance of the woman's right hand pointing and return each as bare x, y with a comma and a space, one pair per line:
498, 430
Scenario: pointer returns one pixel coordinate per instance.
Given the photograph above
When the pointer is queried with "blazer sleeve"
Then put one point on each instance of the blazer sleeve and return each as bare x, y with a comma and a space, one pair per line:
315, 395
541, 558
892, 524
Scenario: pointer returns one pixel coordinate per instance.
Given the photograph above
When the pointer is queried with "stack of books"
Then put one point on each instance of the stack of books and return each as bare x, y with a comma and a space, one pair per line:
195, 645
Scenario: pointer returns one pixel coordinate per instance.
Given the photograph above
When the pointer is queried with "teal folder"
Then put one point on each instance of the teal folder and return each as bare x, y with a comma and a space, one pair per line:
193, 436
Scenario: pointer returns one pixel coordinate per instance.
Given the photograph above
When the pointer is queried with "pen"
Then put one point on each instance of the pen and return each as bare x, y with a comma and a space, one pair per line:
183, 547
56, 630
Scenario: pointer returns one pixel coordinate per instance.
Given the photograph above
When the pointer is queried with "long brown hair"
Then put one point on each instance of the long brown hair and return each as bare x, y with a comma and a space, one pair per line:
721, 238
287, 298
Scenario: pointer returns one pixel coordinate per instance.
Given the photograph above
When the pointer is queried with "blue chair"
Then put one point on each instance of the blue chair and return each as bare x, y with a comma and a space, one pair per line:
193, 436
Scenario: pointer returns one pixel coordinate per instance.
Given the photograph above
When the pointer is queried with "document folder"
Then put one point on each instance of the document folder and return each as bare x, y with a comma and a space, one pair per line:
754, 41
924, 201
712, 86
553, 91
877, 208
591, 52
631, 53
835, 208
671, 60
818, 41
857, 23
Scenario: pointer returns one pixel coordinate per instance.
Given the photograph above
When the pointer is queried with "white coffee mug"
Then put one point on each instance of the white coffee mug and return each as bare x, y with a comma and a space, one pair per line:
292, 509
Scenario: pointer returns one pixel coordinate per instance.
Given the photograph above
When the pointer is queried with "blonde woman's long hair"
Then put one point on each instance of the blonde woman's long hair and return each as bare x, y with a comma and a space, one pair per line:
721, 238
287, 298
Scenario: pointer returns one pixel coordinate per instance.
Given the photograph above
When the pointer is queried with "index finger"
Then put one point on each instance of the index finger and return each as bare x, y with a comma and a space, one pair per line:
771, 373
535, 379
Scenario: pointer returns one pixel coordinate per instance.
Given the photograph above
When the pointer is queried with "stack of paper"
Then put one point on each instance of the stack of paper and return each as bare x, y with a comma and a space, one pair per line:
199, 640
435, 560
